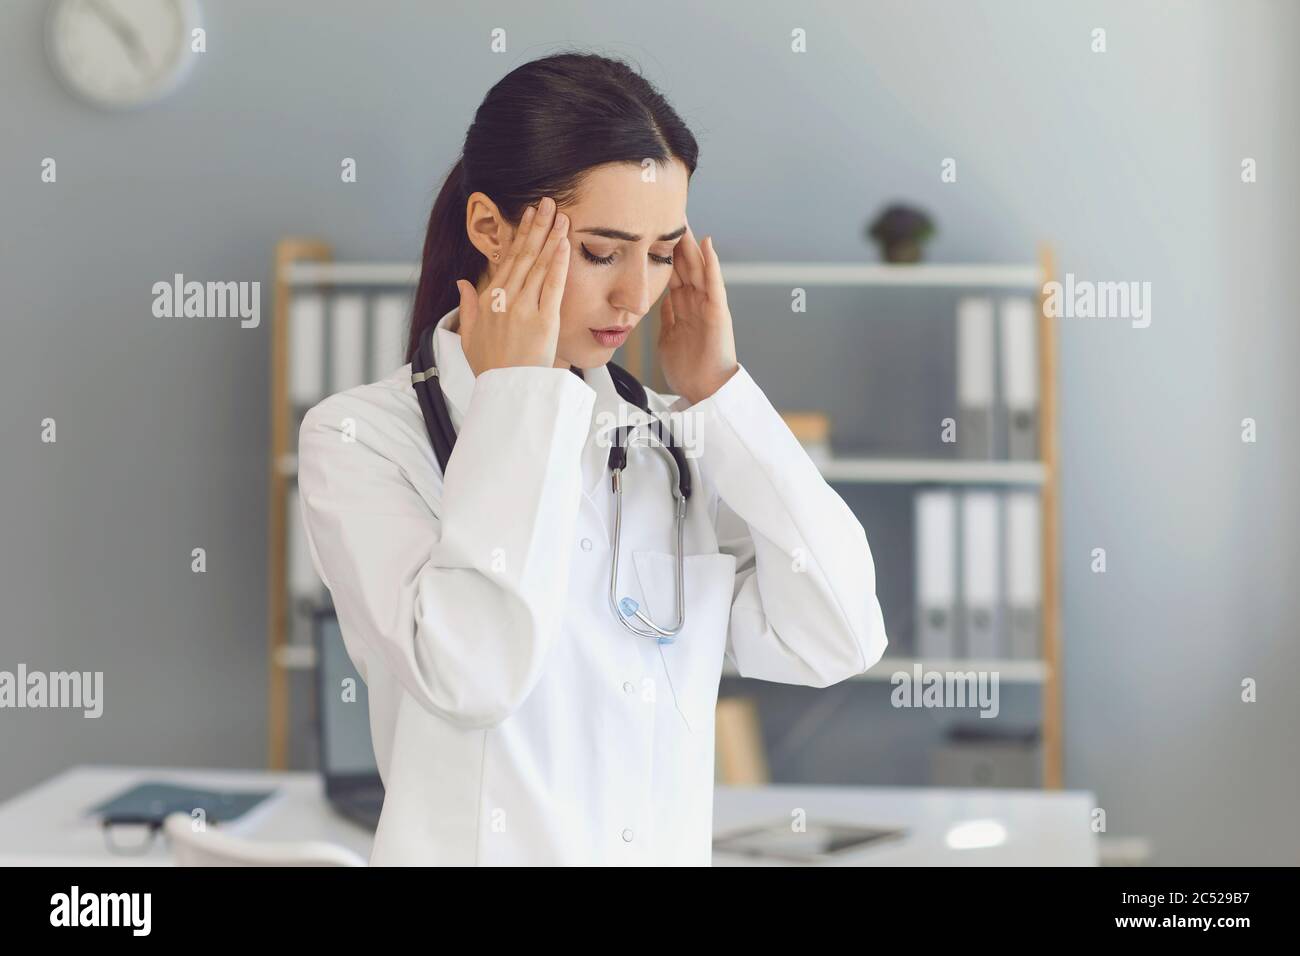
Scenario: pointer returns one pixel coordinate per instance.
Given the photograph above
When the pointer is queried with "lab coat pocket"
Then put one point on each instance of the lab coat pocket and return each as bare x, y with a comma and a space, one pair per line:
692, 662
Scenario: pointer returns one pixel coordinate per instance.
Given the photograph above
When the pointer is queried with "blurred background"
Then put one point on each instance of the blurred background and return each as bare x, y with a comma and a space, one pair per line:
1124, 164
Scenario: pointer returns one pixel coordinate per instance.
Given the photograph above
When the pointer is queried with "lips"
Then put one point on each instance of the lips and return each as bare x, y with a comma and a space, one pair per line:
611, 337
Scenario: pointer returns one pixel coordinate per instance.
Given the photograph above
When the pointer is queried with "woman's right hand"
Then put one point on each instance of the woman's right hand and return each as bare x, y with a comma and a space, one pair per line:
519, 321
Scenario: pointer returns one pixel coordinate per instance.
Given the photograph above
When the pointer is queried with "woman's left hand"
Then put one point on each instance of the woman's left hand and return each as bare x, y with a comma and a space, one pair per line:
696, 343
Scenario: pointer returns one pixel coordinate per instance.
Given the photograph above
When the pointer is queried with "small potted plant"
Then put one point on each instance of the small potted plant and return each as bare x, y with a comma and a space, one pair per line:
901, 232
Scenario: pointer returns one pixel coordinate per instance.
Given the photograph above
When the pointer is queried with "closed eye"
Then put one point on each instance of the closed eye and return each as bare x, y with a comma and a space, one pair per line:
606, 260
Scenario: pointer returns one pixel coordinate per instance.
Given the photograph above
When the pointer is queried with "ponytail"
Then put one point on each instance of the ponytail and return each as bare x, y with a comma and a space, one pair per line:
448, 256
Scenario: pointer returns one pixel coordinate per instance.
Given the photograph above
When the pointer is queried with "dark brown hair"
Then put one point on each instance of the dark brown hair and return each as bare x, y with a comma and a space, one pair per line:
536, 132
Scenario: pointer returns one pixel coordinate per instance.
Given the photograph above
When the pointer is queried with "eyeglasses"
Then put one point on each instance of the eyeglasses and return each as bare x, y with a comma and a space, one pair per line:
129, 836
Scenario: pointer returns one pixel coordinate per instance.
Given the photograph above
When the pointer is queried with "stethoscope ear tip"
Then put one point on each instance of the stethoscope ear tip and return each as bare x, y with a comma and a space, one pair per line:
628, 607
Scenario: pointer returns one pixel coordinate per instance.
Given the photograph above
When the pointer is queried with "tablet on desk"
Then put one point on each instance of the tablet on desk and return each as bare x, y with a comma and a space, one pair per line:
817, 843
150, 803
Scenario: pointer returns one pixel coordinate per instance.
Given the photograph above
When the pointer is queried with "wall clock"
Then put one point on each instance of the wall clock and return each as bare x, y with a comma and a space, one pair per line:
120, 54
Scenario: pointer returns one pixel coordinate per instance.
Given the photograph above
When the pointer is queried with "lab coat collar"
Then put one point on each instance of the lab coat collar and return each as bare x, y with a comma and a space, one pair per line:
454, 373
457, 379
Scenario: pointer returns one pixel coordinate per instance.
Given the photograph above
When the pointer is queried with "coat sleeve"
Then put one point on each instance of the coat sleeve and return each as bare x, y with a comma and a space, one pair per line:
462, 605
804, 610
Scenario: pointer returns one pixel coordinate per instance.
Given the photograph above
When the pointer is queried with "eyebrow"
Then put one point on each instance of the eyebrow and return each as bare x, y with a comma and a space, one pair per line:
630, 237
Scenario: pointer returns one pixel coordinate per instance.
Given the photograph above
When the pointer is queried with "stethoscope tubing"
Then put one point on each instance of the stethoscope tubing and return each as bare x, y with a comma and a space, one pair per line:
437, 418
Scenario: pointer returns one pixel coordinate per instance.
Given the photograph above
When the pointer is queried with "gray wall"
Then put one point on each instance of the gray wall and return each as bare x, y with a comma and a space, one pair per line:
1127, 161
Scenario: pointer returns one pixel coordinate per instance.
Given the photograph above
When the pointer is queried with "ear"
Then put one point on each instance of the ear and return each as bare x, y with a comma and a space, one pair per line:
486, 226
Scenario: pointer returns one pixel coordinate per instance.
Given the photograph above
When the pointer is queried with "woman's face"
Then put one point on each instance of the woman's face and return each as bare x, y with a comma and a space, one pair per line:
621, 237
622, 230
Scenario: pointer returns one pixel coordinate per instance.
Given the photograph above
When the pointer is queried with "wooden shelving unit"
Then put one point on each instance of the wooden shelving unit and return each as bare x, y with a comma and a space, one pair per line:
1043, 474
287, 252
306, 264
1049, 452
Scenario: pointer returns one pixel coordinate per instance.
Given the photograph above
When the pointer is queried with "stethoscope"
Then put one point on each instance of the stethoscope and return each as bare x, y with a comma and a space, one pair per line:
626, 609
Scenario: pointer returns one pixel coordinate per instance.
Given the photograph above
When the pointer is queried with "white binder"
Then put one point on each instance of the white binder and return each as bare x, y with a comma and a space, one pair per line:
981, 587
306, 349
1024, 574
388, 319
347, 341
976, 359
935, 528
1020, 377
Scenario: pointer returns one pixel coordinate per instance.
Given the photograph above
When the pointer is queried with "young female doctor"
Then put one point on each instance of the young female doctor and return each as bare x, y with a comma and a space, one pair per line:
525, 709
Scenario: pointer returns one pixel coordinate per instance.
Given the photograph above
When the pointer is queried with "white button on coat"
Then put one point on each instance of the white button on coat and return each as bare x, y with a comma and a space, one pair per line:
495, 667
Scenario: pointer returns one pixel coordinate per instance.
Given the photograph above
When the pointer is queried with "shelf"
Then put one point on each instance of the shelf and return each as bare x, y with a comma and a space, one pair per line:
352, 273
922, 470
1011, 276
303, 657
296, 657
1009, 671
969, 276
884, 471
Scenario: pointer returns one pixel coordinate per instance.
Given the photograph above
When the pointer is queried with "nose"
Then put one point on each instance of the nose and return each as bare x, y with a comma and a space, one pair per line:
632, 291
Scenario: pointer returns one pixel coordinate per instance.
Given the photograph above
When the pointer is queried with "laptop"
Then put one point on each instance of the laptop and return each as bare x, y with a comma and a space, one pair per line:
347, 755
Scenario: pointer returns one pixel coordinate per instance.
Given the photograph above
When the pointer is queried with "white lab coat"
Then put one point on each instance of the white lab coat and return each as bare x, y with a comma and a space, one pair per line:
514, 720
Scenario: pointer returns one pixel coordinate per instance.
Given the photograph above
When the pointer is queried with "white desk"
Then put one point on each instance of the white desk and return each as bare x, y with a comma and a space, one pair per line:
1042, 827
46, 825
